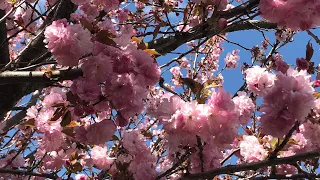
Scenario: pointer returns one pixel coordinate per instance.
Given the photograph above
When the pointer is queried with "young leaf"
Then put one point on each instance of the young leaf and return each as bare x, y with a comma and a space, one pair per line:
73, 124
105, 37
69, 132
309, 51
66, 119
195, 86
58, 113
152, 52
29, 123
86, 24
317, 94
211, 83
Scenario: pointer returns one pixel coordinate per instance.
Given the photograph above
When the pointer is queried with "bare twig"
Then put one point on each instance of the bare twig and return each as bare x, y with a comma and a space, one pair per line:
316, 38
229, 156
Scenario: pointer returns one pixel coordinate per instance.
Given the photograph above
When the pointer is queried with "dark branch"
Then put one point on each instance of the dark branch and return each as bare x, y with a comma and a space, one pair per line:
27, 173
253, 166
12, 93
285, 141
288, 176
165, 45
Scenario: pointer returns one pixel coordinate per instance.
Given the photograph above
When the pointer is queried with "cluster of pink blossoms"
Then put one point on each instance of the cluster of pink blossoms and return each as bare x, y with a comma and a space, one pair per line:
121, 76
216, 123
142, 163
287, 98
299, 14
57, 152
68, 43
232, 59
251, 150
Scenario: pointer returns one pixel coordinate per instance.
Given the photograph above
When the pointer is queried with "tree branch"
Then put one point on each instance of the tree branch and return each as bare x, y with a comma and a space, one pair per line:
165, 45
288, 176
13, 77
285, 141
252, 166
27, 173
17, 118
12, 93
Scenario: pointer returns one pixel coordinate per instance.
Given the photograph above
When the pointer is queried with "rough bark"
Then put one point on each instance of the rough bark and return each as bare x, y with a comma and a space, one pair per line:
10, 94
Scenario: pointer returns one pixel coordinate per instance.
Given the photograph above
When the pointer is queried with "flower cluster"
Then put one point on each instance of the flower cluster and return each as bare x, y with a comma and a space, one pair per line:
299, 14
215, 123
68, 43
232, 59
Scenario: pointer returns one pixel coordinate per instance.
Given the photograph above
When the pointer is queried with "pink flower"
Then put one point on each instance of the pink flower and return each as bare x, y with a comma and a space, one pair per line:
101, 132
299, 14
32, 112
168, 107
52, 141
221, 100
145, 66
286, 168
211, 157
25, 16
251, 150
232, 59
185, 28
123, 63
43, 123
134, 142
244, 106
259, 80
316, 83
68, 43
4, 4
143, 167
123, 15
288, 101
81, 177
86, 89
79, 2
52, 99
175, 71
91, 10
184, 63
310, 140
97, 68
53, 160
15, 163
100, 157
107, 5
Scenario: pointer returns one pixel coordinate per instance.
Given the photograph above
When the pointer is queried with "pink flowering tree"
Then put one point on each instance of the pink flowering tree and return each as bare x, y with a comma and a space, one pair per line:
132, 89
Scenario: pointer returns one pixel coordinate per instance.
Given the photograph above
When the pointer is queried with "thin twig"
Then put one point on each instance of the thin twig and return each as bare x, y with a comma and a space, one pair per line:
314, 36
